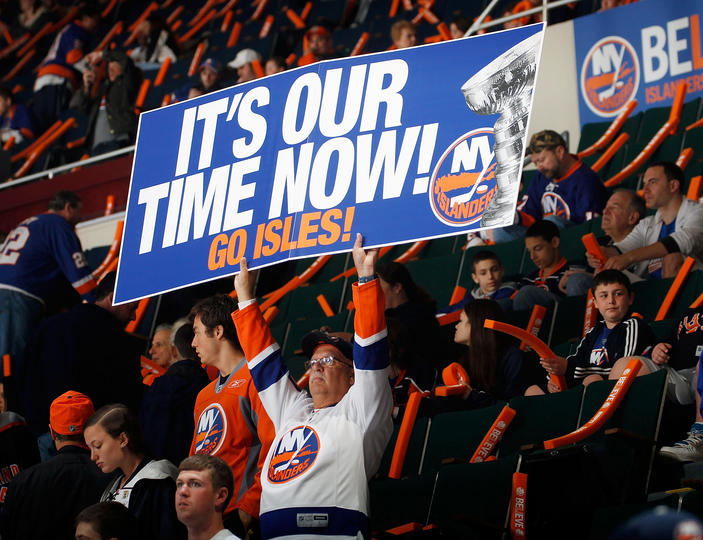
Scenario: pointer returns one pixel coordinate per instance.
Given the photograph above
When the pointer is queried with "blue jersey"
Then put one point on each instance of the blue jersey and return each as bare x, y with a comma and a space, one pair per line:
575, 197
67, 48
37, 252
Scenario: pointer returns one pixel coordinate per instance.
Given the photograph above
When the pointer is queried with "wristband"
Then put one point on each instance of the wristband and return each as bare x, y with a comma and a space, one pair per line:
366, 279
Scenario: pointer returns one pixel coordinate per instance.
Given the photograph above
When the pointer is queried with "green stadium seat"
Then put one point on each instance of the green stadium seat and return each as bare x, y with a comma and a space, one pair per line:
337, 264
437, 275
649, 296
690, 113
398, 502
457, 435
652, 120
591, 132
569, 313
539, 418
570, 243
413, 455
472, 500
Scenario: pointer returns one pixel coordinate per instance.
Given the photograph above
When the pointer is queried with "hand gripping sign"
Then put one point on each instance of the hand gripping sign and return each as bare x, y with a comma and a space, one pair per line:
537, 345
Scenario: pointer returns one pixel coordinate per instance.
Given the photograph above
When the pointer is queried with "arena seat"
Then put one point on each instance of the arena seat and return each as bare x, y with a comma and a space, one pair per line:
539, 418
457, 435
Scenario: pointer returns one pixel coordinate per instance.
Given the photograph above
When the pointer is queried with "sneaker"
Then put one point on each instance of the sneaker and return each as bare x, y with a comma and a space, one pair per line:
689, 449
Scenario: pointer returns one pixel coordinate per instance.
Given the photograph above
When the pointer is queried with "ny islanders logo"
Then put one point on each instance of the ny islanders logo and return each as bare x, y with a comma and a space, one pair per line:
463, 182
295, 454
610, 76
211, 430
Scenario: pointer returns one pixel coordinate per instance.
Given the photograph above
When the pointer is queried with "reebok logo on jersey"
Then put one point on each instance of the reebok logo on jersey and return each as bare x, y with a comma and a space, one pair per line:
211, 430
295, 454
236, 383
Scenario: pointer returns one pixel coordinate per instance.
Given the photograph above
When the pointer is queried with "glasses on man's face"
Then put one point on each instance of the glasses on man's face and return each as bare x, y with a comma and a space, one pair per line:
324, 362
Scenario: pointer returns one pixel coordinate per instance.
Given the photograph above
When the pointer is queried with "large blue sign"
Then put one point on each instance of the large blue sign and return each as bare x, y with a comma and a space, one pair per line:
641, 51
398, 146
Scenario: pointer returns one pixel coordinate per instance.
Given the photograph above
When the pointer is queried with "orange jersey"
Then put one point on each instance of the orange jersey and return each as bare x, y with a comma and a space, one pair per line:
231, 423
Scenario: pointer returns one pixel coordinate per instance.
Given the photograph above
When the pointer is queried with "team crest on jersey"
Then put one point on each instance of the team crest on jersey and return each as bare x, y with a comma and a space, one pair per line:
599, 357
211, 430
554, 205
610, 76
463, 182
295, 454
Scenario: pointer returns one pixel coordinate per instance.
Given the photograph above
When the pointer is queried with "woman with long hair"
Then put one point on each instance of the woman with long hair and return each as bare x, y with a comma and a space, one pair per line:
492, 359
413, 311
145, 486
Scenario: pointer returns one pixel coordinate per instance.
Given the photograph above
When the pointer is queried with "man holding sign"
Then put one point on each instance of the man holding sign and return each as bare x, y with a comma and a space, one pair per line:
328, 444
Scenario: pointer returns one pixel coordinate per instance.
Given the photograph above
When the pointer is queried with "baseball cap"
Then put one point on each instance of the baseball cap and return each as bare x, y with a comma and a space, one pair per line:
211, 63
660, 522
69, 412
314, 339
245, 56
545, 140
317, 30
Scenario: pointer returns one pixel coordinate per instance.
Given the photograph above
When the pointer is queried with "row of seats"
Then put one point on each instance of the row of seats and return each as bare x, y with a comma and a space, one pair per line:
439, 485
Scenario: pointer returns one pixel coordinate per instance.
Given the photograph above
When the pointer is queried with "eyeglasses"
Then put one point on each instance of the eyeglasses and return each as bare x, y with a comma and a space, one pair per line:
325, 361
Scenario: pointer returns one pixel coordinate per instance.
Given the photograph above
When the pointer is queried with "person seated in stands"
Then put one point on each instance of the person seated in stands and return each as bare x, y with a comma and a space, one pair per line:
543, 285
242, 64
319, 46
161, 350
487, 273
658, 245
275, 64
106, 521
403, 34
408, 370
166, 414
18, 451
413, 307
32, 510
155, 41
33, 16
147, 487
458, 26
59, 72
679, 355
493, 360
112, 121
564, 190
203, 489
690, 448
209, 73
622, 212
617, 336
15, 120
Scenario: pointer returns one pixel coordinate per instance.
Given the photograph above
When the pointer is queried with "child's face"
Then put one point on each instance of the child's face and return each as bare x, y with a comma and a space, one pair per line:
488, 275
613, 301
543, 253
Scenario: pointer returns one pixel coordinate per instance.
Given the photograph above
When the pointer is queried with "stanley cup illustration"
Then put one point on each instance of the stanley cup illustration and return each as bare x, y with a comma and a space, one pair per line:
505, 86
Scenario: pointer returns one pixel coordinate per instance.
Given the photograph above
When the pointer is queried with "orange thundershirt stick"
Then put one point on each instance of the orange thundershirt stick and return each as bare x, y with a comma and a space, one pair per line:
537, 345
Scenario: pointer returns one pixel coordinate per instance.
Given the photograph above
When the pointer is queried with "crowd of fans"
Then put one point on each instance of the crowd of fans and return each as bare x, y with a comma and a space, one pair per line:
103, 86
223, 444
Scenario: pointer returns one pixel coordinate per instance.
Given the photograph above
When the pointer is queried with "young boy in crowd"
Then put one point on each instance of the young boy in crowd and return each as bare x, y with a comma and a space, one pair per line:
487, 273
553, 278
618, 335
